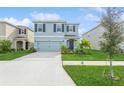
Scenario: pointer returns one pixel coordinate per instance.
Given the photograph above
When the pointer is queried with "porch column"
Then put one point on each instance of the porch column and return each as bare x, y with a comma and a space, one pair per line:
24, 45
65, 42
15, 46
75, 44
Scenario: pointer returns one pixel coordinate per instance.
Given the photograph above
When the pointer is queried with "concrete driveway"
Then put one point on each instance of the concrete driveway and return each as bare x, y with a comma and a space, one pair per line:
40, 68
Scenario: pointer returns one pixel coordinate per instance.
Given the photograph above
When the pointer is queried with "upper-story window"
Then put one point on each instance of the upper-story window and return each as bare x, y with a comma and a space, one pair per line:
19, 31
59, 28
40, 27
71, 28
22, 31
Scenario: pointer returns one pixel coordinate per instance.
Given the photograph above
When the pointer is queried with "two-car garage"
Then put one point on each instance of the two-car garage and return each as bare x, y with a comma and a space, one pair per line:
49, 46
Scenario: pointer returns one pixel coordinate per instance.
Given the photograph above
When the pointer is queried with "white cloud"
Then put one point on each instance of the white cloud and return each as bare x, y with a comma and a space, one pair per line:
35, 16
26, 21
45, 16
91, 17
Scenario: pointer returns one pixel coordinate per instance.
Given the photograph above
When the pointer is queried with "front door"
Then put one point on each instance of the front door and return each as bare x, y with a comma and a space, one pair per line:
71, 44
26, 45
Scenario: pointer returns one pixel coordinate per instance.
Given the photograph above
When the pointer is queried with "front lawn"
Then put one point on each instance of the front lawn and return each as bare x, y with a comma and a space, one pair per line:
93, 75
92, 56
13, 55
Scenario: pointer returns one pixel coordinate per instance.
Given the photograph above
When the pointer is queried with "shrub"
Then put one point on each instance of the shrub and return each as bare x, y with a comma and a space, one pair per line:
79, 51
65, 50
5, 45
13, 50
33, 49
20, 49
83, 47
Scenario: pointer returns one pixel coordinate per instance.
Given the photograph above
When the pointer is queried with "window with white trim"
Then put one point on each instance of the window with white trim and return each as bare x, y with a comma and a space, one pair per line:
40, 27
70, 28
22, 31
58, 27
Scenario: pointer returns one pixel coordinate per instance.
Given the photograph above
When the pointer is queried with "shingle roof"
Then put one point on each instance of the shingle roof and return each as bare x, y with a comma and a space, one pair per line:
8, 23
16, 26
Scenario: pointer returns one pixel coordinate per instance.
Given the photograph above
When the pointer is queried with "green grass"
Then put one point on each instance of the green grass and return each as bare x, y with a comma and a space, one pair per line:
92, 56
93, 75
13, 55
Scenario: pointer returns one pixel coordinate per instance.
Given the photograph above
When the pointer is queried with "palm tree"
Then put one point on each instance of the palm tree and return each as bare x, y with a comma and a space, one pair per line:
85, 43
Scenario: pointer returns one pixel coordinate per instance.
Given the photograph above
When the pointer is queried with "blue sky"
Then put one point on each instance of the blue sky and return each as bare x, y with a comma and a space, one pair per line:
87, 17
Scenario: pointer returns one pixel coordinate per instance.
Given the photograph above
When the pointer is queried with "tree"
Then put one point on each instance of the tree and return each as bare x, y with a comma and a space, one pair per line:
5, 45
113, 35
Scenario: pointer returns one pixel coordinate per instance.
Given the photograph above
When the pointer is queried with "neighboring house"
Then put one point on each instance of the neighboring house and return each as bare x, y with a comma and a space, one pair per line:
51, 35
95, 36
21, 37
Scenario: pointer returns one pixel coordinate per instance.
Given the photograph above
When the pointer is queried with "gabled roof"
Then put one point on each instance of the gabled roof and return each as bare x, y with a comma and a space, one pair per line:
16, 26
122, 22
24, 27
8, 23
95, 28
92, 29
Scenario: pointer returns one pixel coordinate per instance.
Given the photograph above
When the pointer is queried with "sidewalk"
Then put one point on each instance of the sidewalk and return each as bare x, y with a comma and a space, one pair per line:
115, 63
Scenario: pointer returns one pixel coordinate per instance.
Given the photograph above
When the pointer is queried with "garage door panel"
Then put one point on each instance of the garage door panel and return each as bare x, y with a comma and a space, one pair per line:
49, 46
43, 46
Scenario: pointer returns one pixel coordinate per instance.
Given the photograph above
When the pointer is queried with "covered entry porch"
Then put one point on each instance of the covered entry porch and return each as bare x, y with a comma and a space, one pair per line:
21, 44
71, 42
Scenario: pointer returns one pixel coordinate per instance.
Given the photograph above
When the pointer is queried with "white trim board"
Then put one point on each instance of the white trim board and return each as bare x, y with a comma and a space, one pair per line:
48, 36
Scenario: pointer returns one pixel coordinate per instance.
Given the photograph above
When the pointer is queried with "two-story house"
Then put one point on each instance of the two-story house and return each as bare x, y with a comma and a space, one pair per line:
51, 35
21, 37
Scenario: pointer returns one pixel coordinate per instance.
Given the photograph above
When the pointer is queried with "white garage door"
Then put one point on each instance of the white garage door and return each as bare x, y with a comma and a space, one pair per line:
49, 46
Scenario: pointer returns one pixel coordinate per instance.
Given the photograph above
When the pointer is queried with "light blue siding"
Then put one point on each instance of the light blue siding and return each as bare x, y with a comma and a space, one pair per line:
51, 40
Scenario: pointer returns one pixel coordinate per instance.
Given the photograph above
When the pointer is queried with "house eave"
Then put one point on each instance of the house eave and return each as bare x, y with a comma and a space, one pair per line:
49, 21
